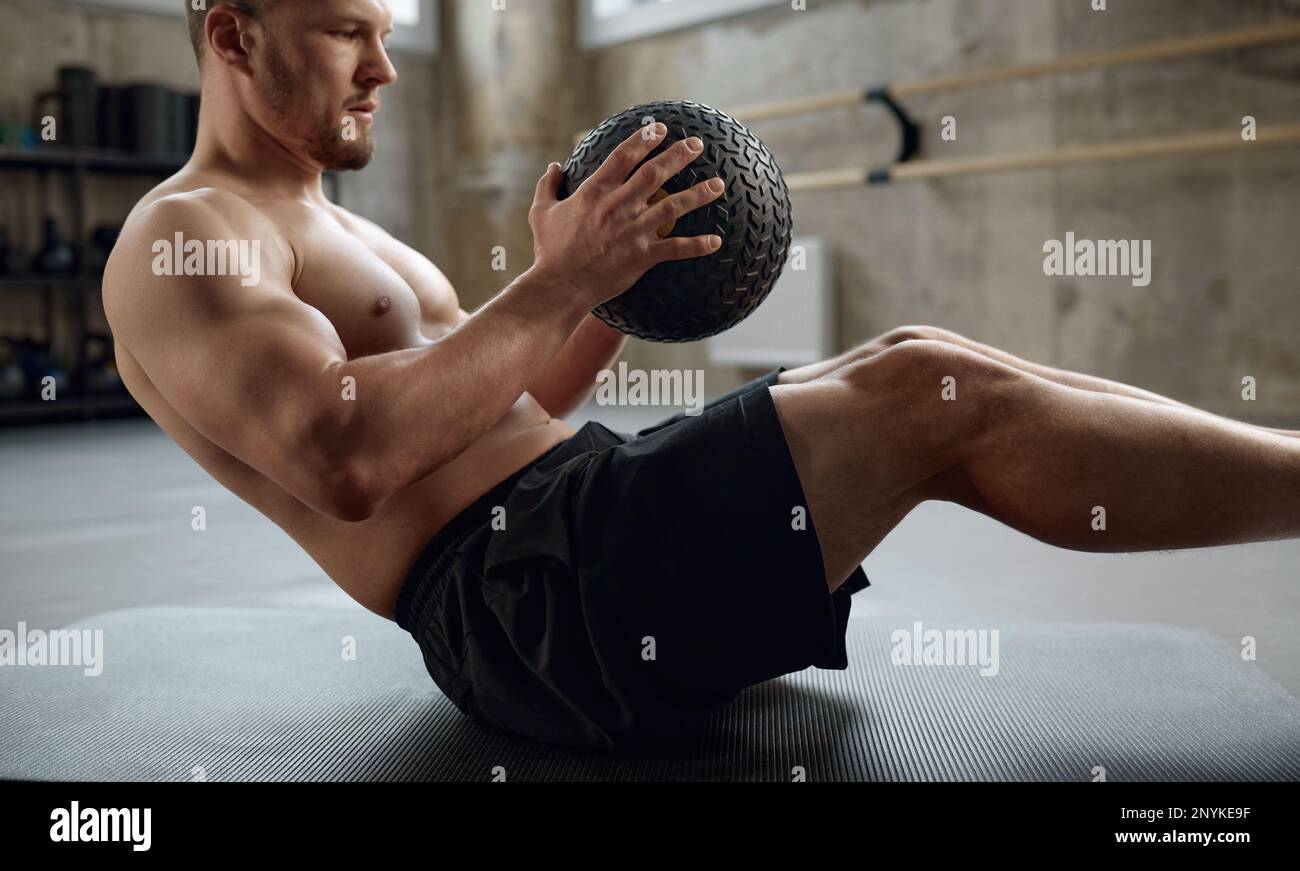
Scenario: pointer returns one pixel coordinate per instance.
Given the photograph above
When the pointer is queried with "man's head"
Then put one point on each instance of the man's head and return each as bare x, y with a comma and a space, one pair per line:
306, 71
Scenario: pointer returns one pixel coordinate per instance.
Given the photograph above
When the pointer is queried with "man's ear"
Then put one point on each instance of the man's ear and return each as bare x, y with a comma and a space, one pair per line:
229, 36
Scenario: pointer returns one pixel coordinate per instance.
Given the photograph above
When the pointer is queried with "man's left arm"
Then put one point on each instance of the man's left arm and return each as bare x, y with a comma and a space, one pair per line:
570, 379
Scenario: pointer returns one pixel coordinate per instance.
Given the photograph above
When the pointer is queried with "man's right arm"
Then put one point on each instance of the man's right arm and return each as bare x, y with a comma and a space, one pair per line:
417, 409
265, 376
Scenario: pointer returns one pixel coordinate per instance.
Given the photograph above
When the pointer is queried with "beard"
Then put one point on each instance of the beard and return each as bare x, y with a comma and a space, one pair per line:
310, 127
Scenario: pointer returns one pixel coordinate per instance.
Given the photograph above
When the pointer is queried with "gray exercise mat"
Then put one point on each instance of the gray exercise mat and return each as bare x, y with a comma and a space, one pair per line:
238, 694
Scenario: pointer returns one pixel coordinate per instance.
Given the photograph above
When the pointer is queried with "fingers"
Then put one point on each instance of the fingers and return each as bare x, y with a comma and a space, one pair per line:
685, 247
652, 176
669, 209
622, 160
548, 185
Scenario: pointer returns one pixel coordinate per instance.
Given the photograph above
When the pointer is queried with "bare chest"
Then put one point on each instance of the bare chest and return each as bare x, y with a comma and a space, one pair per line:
379, 295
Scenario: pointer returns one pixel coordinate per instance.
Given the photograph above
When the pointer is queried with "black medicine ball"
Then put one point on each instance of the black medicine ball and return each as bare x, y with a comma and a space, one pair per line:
688, 300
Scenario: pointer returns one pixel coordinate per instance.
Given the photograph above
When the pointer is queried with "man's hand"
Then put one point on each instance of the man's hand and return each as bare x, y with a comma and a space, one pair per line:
604, 237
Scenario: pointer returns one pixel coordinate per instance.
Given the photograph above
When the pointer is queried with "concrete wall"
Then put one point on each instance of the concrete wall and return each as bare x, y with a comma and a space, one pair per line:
967, 254
508, 87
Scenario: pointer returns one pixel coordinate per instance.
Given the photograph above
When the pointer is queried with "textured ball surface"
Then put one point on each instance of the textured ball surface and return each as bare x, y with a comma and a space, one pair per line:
688, 300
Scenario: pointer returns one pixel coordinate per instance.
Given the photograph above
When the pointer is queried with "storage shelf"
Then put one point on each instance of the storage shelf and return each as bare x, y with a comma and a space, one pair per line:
22, 280
93, 160
70, 408
77, 165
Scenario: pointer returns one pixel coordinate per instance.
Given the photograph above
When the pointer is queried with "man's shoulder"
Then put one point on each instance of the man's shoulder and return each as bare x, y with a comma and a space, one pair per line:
174, 216
200, 207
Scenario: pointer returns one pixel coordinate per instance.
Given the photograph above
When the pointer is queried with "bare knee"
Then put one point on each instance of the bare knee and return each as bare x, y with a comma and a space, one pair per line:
916, 363
880, 435
941, 397
919, 333
867, 350
897, 336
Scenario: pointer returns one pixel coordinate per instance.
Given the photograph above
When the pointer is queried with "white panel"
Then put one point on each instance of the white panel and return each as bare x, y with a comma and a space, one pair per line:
795, 324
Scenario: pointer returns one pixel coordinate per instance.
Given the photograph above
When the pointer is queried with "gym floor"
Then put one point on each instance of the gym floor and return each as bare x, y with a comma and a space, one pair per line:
97, 518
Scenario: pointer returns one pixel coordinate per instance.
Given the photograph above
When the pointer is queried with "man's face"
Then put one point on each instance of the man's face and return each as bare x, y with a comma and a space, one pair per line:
318, 70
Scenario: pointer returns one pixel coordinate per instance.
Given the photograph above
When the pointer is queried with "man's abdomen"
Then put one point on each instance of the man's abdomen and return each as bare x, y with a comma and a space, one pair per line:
369, 560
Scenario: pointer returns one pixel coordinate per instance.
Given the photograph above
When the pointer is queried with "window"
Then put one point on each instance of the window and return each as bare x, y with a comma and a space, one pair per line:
405, 12
606, 22
415, 22
608, 8
415, 25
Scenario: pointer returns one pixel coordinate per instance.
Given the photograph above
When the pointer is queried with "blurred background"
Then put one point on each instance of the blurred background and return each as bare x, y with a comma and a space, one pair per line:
491, 92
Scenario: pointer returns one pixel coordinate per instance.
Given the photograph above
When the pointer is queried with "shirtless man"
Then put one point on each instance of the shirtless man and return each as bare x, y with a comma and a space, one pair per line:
588, 588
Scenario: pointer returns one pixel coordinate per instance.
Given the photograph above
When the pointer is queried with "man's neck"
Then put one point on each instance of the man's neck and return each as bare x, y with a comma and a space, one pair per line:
231, 142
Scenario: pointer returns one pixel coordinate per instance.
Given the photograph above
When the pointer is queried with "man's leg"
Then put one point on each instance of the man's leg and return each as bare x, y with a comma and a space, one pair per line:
875, 438
1060, 376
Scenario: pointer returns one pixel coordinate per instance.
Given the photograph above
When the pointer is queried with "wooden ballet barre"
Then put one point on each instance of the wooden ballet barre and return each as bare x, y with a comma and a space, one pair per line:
1132, 149
1267, 34
1146, 53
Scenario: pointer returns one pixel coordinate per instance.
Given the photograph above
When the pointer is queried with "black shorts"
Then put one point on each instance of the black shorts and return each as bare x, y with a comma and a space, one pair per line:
620, 589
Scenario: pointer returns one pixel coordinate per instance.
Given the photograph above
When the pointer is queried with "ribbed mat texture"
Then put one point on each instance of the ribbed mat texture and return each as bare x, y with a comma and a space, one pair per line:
248, 694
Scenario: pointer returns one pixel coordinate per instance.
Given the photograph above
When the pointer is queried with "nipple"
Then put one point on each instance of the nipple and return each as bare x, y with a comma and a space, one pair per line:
381, 306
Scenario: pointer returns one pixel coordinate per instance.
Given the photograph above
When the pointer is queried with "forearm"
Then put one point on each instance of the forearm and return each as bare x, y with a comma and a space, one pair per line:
417, 409
570, 379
